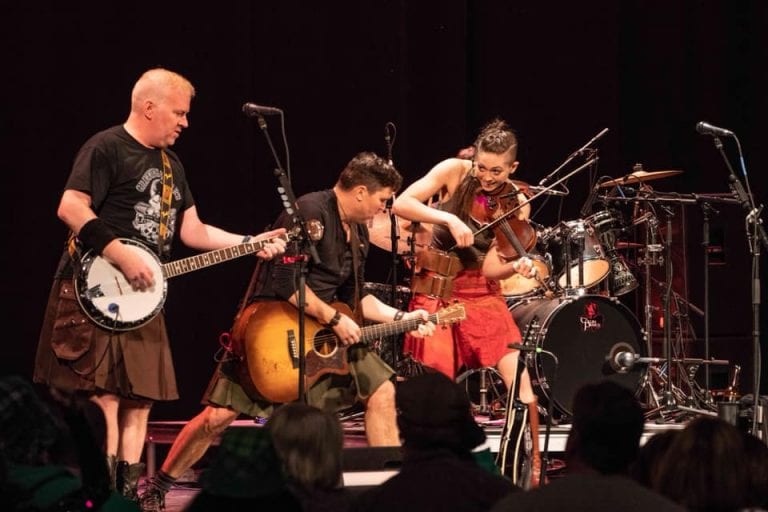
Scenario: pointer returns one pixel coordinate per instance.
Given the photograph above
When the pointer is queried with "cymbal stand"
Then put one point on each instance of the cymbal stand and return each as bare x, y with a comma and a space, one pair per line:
670, 397
651, 257
706, 209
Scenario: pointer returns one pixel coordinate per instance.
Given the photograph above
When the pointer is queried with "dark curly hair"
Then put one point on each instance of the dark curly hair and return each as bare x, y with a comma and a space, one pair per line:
371, 170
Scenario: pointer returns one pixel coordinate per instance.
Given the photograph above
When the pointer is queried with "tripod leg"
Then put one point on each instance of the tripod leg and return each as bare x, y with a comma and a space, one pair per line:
483, 390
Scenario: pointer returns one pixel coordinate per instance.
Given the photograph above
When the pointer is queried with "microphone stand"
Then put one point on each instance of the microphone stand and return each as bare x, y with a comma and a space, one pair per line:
390, 132
755, 237
395, 237
550, 412
705, 210
573, 155
668, 397
289, 203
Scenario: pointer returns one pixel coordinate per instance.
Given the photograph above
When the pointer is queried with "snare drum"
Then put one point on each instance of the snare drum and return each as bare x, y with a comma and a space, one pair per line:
517, 286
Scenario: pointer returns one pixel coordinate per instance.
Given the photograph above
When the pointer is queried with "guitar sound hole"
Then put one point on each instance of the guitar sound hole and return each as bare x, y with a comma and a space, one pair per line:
325, 343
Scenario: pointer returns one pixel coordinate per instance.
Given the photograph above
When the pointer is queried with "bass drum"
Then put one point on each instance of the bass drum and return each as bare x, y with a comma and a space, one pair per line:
581, 332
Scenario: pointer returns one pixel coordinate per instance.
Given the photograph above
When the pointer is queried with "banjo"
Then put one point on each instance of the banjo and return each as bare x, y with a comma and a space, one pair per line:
106, 296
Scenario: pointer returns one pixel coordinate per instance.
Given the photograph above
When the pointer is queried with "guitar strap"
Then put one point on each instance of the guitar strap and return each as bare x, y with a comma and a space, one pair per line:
165, 203
354, 242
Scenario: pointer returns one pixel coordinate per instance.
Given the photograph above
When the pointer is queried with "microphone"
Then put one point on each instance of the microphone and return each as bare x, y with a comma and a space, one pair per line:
389, 139
708, 129
622, 357
551, 192
587, 208
253, 110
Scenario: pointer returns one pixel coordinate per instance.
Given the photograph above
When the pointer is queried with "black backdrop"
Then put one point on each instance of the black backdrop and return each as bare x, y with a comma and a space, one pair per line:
648, 71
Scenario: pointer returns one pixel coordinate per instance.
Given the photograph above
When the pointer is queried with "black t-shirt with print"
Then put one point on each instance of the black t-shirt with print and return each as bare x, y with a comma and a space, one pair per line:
125, 182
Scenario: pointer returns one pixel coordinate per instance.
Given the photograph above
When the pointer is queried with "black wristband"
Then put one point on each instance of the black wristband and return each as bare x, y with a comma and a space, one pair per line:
246, 239
96, 235
399, 315
334, 321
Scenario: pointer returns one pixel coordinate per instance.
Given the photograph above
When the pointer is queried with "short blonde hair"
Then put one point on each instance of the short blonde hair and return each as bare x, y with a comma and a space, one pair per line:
155, 83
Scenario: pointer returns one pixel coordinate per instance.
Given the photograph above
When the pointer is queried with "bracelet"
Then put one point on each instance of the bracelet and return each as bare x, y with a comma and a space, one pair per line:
399, 315
96, 234
334, 321
246, 239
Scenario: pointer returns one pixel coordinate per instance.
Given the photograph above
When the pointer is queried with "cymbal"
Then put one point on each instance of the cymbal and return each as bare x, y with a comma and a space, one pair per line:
380, 233
639, 176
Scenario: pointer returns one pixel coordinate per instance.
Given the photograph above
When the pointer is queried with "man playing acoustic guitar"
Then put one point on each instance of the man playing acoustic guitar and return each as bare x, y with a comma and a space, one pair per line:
362, 190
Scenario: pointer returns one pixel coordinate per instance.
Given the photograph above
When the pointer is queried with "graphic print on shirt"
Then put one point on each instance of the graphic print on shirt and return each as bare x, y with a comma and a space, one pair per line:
147, 214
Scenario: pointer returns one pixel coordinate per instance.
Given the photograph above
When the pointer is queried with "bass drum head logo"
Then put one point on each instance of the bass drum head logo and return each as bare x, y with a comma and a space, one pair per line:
591, 320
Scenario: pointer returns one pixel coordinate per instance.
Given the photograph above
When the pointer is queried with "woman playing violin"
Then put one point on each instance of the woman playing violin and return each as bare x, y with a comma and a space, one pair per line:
463, 184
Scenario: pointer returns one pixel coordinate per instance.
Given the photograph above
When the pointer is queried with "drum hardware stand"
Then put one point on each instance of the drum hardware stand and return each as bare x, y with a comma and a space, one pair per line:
670, 401
678, 395
622, 360
488, 375
706, 208
579, 289
651, 257
668, 398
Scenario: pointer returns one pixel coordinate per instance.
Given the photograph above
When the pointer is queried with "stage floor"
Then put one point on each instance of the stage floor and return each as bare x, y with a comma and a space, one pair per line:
164, 433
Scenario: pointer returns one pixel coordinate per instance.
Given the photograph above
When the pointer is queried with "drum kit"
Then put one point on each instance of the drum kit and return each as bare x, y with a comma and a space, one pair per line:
572, 308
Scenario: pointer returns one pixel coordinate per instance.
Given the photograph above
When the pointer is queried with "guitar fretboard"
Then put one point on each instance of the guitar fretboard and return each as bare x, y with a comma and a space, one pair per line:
376, 331
206, 259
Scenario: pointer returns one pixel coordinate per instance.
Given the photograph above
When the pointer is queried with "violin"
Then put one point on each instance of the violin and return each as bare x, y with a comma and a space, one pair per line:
514, 237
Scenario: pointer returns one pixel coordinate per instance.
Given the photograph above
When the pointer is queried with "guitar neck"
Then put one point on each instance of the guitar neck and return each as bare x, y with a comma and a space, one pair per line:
206, 259
376, 331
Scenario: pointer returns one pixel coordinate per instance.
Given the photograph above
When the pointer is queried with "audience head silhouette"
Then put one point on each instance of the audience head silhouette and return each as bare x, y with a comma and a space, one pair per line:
308, 442
607, 425
705, 467
434, 412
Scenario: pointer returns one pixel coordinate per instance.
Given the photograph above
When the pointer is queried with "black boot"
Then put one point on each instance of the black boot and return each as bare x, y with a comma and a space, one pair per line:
127, 479
153, 499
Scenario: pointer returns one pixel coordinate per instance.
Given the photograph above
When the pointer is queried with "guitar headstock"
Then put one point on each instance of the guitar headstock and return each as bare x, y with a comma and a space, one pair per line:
452, 314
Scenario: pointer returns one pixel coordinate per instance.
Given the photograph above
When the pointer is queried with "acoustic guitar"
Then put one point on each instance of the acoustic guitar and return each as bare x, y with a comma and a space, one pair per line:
267, 334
